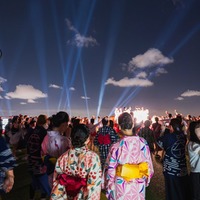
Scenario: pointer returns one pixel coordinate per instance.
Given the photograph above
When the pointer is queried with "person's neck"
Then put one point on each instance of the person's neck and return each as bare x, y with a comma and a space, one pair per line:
127, 132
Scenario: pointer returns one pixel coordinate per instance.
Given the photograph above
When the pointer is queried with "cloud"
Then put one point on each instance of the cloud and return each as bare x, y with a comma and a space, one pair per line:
160, 71
1, 89
6, 97
31, 101
80, 40
23, 103
70, 27
179, 98
129, 82
72, 89
55, 86
2, 80
27, 92
190, 93
141, 75
84, 97
152, 57
1, 97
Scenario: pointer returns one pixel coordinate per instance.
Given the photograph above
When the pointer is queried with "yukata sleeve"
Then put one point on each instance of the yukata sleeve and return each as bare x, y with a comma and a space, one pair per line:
94, 179
147, 153
58, 191
110, 172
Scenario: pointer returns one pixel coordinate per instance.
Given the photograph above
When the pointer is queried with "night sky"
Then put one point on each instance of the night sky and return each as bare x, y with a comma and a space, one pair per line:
88, 57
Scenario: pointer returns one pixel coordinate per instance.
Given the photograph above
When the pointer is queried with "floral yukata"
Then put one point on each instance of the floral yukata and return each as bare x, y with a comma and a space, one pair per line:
81, 163
129, 150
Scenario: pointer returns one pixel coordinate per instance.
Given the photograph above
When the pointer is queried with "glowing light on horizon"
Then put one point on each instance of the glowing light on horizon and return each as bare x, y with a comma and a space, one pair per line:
140, 114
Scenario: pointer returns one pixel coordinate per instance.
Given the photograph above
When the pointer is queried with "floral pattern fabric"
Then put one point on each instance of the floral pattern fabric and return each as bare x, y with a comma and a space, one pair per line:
131, 150
83, 163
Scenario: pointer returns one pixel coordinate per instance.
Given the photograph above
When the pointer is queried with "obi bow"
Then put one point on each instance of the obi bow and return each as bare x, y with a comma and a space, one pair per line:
104, 139
132, 171
73, 184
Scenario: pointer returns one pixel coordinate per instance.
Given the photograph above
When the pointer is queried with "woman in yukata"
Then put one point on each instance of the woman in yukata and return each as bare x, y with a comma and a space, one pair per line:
78, 172
55, 143
129, 167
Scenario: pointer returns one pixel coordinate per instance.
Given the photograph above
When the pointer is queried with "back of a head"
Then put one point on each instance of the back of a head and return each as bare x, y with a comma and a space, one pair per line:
79, 135
105, 121
125, 121
156, 119
92, 120
147, 123
191, 128
41, 120
60, 118
176, 124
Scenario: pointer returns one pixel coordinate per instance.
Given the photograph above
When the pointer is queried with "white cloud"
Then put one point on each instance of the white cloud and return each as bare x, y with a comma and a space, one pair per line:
179, 98
1, 89
160, 71
1, 97
55, 86
23, 103
80, 40
129, 82
2, 80
83, 97
31, 101
70, 27
152, 57
190, 93
6, 97
27, 92
72, 88
141, 75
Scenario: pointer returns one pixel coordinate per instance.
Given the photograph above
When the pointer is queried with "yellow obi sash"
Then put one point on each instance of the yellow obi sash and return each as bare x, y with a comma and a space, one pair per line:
132, 171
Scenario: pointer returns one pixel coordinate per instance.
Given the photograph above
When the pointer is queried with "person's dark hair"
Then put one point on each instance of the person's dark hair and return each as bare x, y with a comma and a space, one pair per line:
59, 118
15, 119
111, 123
176, 124
79, 135
125, 121
156, 119
147, 123
193, 137
41, 120
92, 120
105, 121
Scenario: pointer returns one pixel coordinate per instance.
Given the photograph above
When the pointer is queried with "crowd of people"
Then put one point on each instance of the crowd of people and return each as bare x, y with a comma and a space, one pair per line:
79, 158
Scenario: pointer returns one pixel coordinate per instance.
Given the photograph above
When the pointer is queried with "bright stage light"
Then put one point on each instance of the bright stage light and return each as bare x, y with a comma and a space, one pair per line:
140, 114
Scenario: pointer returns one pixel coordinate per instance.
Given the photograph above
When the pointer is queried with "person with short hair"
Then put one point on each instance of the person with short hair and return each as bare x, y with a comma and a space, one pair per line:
36, 165
78, 171
128, 168
174, 163
104, 138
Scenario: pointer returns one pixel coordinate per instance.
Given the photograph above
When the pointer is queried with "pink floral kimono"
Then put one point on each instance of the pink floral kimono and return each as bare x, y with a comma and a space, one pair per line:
129, 150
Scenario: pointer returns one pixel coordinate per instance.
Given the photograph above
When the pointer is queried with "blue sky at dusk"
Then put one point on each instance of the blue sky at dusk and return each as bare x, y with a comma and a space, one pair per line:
88, 57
